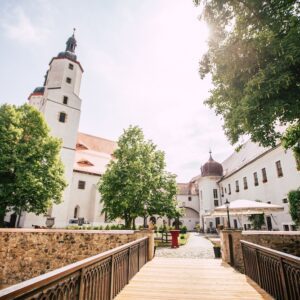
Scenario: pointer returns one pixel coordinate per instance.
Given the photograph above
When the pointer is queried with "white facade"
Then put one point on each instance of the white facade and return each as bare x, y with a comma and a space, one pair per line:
237, 181
274, 190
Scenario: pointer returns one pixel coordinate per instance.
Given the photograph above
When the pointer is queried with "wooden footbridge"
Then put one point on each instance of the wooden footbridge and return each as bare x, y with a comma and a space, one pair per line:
128, 273
181, 278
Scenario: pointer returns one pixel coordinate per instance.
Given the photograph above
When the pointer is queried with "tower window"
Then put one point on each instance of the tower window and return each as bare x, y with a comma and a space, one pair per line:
255, 178
81, 185
68, 80
237, 188
279, 169
190, 198
264, 174
62, 117
245, 183
65, 100
71, 66
215, 192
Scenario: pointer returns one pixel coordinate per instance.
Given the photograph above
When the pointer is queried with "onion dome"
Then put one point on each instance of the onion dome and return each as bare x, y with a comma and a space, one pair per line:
211, 168
70, 49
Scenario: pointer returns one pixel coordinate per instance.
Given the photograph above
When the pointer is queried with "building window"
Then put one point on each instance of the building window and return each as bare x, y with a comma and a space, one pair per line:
190, 198
245, 183
81, 185
237, 188
76, 212
216, 203
65, 100
215, 192
68, 80
255, 178
62, 117
229, 189
284, 200
71, 66
235, 224
222, 191
286, 227
279, 169
225, 191
264, 175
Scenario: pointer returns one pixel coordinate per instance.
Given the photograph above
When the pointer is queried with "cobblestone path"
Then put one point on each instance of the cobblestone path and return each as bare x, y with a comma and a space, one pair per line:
196, 247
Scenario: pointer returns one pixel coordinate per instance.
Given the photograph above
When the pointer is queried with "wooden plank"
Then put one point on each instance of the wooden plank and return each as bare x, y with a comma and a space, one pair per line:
181, 278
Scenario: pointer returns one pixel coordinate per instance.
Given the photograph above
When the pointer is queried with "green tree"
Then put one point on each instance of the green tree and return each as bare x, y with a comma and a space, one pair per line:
294, 203
254, 59
257, 221
31, 173
136, 184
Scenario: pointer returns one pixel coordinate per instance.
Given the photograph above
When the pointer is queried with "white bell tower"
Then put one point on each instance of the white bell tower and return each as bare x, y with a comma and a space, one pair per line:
59, 101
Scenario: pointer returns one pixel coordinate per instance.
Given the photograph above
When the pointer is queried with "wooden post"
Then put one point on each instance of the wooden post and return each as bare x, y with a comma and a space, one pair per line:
112, 277
258, 267
81, 284
283, 281
128, 269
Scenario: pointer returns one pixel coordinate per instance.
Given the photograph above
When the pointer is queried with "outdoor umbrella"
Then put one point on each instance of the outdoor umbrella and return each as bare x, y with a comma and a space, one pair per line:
246, 207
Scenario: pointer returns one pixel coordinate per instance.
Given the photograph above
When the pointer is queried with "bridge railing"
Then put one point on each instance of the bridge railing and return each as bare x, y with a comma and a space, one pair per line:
276, 272
100, 277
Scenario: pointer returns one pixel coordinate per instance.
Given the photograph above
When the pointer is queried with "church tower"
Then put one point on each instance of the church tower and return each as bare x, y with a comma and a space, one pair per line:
60, 103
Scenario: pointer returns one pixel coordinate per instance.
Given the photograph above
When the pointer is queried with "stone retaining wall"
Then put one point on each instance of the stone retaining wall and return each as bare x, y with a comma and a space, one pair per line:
26, 253
284, 241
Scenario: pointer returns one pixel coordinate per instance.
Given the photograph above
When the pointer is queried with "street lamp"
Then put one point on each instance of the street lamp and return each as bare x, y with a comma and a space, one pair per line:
227, 203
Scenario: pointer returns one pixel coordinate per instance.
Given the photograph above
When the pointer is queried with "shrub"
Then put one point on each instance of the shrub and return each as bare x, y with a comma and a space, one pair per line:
294, 201
183, 229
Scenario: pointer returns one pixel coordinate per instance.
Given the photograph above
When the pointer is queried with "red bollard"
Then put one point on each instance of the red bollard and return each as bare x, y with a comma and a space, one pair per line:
175, 235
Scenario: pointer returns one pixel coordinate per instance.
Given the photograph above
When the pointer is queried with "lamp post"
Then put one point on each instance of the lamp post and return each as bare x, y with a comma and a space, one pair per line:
227, 203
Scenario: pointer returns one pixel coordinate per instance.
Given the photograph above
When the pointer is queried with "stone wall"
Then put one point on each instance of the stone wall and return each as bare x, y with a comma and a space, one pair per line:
26, 253
284, 241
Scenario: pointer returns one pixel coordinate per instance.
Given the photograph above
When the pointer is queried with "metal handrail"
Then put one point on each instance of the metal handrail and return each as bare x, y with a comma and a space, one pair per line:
276, 272
47, 281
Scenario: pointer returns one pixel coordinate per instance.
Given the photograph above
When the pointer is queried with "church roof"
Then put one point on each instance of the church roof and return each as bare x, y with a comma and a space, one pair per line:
93, 153
186, 188
247, 153
96, 143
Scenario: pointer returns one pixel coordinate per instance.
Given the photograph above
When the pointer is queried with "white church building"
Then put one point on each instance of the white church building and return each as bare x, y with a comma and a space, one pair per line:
253, 173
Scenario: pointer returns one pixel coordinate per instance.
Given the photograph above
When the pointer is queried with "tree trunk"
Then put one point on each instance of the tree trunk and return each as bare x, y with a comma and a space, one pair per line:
2, 216
128, 221
19, 217
133, 224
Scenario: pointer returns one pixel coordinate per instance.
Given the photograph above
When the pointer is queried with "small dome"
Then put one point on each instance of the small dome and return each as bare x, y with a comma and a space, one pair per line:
212, 168
67, 54
39, 89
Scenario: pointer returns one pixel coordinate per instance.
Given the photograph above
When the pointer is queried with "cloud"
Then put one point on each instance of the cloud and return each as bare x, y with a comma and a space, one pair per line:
18, 26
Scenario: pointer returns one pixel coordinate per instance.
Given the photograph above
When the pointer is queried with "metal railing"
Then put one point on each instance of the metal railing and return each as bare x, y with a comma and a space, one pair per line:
276, 272
100, 277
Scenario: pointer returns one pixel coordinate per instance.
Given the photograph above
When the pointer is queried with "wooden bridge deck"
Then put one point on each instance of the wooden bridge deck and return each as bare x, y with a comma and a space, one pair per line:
180, 278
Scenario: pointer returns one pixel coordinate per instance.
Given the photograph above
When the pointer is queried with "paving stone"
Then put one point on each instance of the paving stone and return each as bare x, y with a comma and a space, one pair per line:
196, 247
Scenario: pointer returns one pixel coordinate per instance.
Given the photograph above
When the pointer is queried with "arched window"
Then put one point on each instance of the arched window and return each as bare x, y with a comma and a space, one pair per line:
76, 211
62, 117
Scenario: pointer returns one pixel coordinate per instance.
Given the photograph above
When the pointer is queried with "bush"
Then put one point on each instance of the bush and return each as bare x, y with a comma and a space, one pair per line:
183, 229
294, 201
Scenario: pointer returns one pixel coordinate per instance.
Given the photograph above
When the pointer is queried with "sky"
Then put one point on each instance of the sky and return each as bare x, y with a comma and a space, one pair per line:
140, 60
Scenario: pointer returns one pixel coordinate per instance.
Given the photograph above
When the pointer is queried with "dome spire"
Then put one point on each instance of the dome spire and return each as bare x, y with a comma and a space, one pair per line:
71, 42
210, 157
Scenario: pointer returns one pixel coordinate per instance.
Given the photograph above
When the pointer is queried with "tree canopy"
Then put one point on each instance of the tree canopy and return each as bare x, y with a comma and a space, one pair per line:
294, 205
135, 183
31, 172
254, 59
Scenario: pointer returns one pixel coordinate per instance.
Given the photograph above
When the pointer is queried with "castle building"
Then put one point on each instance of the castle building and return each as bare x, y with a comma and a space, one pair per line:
252, 173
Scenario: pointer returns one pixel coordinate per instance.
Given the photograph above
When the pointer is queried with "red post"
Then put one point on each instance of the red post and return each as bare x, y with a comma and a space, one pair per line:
175, 235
